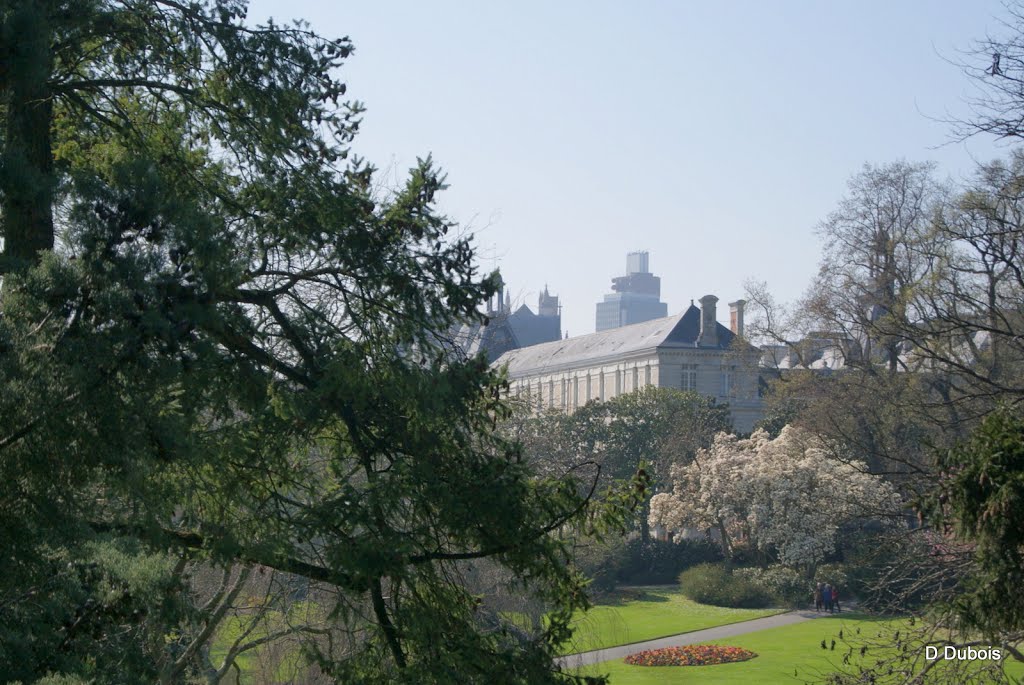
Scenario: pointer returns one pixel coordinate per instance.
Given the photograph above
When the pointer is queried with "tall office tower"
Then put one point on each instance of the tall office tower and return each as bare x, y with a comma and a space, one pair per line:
637, 296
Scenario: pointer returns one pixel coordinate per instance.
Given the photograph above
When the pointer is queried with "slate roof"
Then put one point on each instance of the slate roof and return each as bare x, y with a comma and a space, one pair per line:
506, 332
680, 331
473, 338
531, 329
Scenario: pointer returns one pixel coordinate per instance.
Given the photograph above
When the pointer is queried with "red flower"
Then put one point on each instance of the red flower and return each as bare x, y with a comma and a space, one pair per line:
689, 655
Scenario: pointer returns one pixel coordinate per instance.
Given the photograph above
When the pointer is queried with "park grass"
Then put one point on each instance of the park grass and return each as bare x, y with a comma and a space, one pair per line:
230, 630
277, 662
789, 654
628, 616
649, 613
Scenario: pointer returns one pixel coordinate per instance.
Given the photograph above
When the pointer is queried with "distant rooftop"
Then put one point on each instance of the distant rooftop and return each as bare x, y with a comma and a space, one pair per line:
507, 329
680, 330
637, 263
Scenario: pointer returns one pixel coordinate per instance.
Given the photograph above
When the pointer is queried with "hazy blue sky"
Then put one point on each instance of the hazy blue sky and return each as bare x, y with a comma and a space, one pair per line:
716, 135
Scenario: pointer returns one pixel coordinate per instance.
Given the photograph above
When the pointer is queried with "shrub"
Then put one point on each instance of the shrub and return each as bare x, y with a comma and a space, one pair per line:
833, 574
601, 562
659, 563
786, 586
635, 562
890, 572
713, 584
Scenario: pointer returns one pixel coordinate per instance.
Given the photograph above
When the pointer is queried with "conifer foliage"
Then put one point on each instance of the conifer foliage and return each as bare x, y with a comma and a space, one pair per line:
218, 354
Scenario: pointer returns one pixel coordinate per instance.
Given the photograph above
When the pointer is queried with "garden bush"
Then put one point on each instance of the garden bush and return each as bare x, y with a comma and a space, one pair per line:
833, 574
889, 573
658, 562
786, 586
601, 562
714, 584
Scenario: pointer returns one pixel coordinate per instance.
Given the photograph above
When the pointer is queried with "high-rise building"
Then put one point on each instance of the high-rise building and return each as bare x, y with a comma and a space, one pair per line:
636, 297
688, 351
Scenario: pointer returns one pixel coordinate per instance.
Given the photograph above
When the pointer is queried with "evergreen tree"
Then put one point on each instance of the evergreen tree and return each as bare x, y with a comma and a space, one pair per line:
217, 350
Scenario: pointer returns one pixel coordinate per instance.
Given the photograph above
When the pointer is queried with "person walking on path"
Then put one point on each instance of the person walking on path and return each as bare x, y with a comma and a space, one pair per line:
826, 596
817, 598
835, 599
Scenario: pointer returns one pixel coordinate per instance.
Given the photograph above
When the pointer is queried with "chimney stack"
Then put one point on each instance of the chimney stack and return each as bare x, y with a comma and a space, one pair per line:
708, 322
736, 316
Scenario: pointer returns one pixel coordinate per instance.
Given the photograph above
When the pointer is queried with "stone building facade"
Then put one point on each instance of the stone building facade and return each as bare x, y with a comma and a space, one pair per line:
688, 351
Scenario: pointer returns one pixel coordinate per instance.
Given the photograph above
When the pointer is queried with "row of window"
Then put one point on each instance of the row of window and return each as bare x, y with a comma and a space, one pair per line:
584, 388
572, 386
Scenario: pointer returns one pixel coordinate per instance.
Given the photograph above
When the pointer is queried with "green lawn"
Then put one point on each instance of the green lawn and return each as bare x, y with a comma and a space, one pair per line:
791, 654
278, 662
648, 613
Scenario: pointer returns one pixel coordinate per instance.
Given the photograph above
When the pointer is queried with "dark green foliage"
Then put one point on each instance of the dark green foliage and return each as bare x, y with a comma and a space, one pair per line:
981, 501
635, 562
780, 412
898, 572
231, 361
658, 562
654, 426
658, 426
784, 585
648, 430
601, 563
108, 585
715, 584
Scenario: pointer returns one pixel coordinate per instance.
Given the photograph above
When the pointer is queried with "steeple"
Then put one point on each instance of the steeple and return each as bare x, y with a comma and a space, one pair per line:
547, 304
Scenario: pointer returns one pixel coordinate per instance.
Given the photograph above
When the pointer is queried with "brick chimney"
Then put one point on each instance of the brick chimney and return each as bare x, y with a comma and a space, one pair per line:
708, 322
736, 316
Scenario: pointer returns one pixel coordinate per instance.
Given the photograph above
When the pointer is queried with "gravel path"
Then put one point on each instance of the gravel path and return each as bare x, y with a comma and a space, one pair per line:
694, 637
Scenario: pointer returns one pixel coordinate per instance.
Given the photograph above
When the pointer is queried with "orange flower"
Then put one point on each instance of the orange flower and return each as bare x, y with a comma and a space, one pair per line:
689, 655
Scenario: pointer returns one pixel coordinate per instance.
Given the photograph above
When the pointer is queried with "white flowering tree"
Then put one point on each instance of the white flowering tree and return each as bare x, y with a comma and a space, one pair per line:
786, 497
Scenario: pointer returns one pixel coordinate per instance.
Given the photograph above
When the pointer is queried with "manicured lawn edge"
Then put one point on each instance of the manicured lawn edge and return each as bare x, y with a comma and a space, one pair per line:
780, 650
644, 613
685, 632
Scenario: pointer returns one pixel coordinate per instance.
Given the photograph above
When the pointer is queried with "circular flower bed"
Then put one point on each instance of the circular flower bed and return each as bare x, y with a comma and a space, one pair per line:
690, 655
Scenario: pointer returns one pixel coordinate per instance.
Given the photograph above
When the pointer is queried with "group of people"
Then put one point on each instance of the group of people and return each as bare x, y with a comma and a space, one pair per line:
826, 597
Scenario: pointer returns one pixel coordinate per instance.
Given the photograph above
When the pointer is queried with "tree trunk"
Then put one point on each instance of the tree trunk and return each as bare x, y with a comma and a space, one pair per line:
726, 546
26, 175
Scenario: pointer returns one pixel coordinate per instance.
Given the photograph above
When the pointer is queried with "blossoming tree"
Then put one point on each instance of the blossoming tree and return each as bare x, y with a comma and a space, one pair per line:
786, 497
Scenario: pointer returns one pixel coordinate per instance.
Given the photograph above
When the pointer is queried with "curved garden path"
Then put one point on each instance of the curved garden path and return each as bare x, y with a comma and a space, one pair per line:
572, 661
